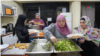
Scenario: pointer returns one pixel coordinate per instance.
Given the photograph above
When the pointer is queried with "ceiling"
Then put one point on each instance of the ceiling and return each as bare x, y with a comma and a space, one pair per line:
31, 1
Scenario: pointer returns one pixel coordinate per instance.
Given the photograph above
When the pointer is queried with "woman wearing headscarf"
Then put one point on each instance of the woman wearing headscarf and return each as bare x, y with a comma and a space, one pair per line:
21, 30
91, 37
57, 30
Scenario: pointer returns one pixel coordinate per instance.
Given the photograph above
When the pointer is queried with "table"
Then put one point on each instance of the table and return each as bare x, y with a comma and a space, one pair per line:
38, 36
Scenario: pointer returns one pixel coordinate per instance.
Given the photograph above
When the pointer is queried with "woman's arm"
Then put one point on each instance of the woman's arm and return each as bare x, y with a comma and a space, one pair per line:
20, 36
48, 31
86, 43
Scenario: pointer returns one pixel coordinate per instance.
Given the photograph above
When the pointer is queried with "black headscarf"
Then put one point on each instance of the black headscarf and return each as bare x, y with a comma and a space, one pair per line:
20, 23
82, 19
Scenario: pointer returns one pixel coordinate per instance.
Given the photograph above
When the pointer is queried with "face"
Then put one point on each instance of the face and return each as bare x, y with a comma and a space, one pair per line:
82, 24
37, 16
25, 21
61, 22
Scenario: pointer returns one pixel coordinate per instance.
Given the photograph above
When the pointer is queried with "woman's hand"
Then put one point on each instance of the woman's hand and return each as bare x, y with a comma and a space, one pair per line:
53, 39
31, 22
31, 33
82, 40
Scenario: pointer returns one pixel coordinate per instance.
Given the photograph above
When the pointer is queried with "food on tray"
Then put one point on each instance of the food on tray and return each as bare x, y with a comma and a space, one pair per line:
64, 46
47, 45
15, 52
74, 35
44, 46
21, 45
41, 33
26, 47
16, 46
10, 47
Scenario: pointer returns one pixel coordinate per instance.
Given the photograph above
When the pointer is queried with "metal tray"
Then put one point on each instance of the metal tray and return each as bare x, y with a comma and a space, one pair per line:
14, 51
74, 52
37, 46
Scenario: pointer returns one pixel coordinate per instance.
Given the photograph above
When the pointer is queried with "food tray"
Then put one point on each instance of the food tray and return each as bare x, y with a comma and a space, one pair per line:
37, 46
75, 36
14, 51
76, 51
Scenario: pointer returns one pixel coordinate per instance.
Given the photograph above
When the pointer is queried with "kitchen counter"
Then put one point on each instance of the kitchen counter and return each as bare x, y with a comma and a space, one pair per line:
38, 36
6, 34
15, 51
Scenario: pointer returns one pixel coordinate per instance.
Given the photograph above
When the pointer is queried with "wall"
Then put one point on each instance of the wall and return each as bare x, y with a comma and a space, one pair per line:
75, 9
4, 19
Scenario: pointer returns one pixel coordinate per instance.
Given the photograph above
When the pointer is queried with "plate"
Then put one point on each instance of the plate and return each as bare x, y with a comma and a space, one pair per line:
36, 31
74, 36
2, 47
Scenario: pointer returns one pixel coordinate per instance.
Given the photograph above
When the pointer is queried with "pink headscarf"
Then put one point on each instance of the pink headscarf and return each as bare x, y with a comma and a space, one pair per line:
63, 30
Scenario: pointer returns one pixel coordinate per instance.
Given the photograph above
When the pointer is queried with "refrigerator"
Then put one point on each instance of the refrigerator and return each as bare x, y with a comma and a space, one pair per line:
68, 17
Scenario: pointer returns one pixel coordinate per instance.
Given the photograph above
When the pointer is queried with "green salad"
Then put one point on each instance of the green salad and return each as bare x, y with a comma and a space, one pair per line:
64, 46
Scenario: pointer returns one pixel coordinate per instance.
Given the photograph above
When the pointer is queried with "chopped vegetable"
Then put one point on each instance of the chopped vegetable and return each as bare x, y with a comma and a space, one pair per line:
41, 33
64, 46
47, 45
40, 30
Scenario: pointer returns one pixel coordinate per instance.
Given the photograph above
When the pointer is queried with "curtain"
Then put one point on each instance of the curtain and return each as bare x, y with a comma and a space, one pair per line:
88, 9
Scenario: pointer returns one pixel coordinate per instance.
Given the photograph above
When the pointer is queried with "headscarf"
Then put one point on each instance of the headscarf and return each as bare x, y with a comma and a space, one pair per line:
37, 14
20, 23
88, 23
63, 30
90, 33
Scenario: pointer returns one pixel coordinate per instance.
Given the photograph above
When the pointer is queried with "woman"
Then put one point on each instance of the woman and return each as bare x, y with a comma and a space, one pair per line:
57, 30
90, 38
21, 30
37, 21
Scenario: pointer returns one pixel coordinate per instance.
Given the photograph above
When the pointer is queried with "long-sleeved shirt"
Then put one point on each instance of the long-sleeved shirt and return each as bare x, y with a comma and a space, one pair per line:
51, 30
23, 35
36, 22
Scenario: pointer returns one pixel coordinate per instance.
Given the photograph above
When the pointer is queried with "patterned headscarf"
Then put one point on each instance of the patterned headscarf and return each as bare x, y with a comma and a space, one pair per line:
88, 23
89, 33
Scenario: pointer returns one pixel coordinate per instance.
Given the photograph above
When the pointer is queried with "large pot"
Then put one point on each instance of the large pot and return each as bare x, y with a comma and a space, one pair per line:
37, 27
